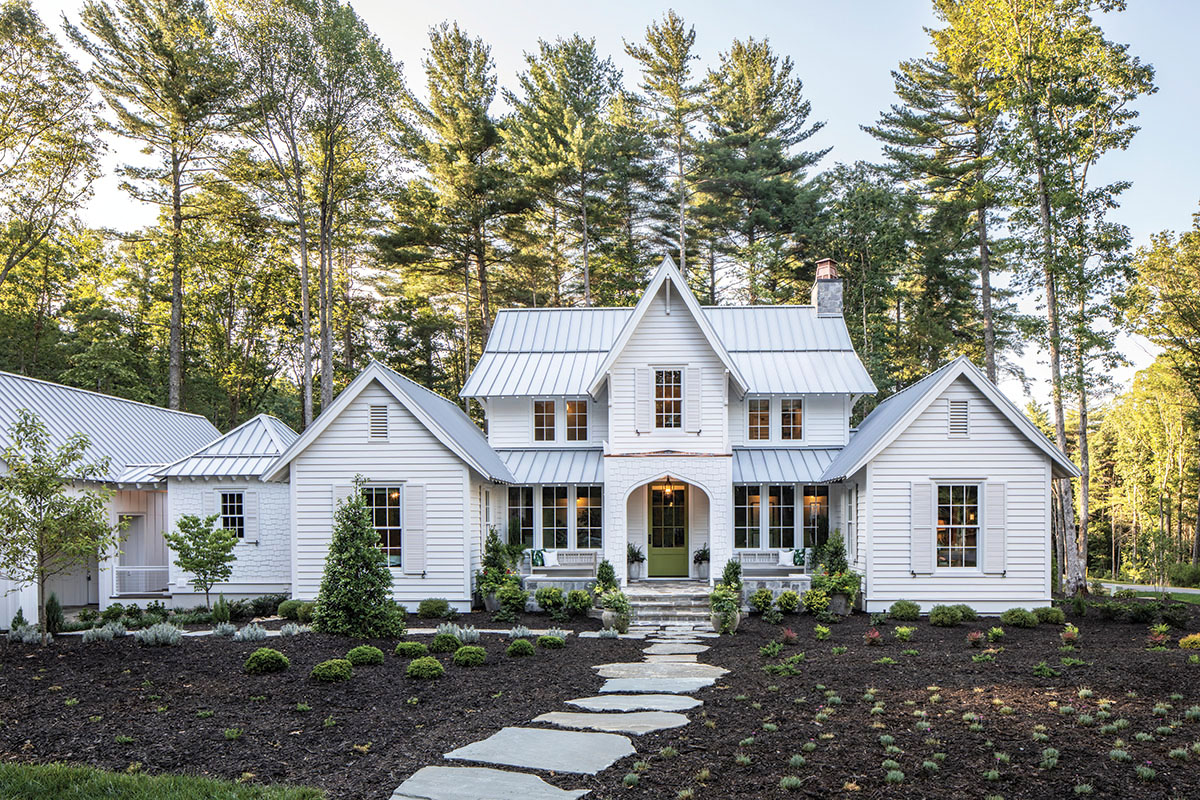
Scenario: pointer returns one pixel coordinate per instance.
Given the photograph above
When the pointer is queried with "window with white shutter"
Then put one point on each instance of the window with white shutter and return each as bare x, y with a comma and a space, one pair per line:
959, 418
379, 422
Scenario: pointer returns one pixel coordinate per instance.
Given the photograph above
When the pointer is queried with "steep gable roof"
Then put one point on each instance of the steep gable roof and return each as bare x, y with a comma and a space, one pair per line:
246, 450
129, 434
667, 275
445, 420
893, 416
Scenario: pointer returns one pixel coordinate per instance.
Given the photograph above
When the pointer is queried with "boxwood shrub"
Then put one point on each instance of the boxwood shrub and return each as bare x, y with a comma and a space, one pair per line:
290, 609
469, 656
967, 613
579, 602
304, 614
425, 668
551, 642
905, 611
945, 616
520, 648
411, 650
264, 660
788, 601
364, 655
335, 669
433, 608
762, 599
1050, 615
1019, 618
444, 643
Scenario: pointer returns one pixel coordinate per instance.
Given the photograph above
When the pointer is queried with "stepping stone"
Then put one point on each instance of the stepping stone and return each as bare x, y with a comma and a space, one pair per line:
655, 685
556, 751
682, 658
636, 702
674, 648
479, 783
643, 669
636, 723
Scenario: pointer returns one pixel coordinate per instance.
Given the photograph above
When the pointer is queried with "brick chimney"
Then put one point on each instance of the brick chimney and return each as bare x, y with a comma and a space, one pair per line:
827, 289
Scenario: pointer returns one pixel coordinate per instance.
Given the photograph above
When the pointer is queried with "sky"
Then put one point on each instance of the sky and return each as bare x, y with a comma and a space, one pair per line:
844, 52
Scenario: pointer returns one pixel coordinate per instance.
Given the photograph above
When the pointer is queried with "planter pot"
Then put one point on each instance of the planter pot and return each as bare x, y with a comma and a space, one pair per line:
715, 619
839, 604
635, 570
702, 570
490, 603
611, 619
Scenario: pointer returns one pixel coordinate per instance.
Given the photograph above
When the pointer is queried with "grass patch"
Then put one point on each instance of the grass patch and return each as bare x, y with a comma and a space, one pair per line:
1178, 597
84, 783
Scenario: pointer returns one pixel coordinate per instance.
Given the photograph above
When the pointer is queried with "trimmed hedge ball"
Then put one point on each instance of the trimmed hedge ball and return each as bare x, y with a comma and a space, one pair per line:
289, 609
520, 648
433, 608
411, 650
968, 614
945, 616
444, 643
333, 670
905, 611
551, 642
1019, 618
264, 660
425, 668
1050, 615
470, 656
364, 655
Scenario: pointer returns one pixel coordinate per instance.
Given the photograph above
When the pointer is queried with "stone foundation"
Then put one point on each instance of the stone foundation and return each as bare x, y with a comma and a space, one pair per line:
778, 584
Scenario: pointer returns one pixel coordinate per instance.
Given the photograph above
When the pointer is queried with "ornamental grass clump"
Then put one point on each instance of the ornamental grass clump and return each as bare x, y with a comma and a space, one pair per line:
365, 655
251, 633
160, 635
425, 668
265, 660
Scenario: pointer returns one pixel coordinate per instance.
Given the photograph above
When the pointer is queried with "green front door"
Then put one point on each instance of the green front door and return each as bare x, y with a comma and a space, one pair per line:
667, 554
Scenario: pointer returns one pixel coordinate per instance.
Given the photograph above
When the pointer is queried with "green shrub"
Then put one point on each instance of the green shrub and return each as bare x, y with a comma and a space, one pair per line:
1177, 615
520, 648
304, 614
444, 643
365, 655
1143, 613
579, 602
251, 633
355, 598
815, 601
266, 605
289, 609
433, 608
411, 650
54, 614
264, 660
732, 575
160, 635
606, 576
1050, 616
1019, 618
220, 610
550, 599
469, 656
944, 616
967, 613
788, 601
111, 613
551, 642
425, 668
762, 599
335, 669
905, 611
1183, 575
512, 599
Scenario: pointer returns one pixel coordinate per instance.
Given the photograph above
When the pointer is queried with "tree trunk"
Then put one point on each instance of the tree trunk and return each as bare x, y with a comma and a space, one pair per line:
175, 344
325, 290
587, 273
682, 208
1085, 467
712, 275
481, 275
306, 414
985, 294
1196, 531
41, 605
466, 328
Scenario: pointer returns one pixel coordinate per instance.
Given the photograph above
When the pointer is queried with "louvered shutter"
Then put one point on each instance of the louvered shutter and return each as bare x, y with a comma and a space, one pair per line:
643, 399
995, 500
693, 403
413, 551
921, 545
250, 514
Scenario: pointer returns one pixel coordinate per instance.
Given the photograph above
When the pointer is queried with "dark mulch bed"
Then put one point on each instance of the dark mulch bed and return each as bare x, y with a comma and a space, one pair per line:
153, 695
849, 764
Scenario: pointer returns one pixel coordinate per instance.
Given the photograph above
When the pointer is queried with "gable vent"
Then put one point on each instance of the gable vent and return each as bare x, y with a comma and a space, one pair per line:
960, 417
379, 422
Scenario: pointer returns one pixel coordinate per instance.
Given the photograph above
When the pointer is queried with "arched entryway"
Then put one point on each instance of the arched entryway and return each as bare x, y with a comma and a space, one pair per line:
668, 520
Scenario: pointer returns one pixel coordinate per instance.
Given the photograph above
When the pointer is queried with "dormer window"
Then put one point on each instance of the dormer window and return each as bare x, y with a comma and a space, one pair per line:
378, 424
668, 398
960, 418
791, 419
543, 420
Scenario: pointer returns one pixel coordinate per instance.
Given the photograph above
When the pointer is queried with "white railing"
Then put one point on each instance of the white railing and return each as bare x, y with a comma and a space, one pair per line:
141, 580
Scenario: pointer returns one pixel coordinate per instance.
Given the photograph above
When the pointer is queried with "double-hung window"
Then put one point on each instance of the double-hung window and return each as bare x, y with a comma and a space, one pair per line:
668, 398
589, 517
577, 420
555, 517
233, 513
384, 504
520, 515
781, 521
543, 420
957, 525
791, 411
747, 501
758, 419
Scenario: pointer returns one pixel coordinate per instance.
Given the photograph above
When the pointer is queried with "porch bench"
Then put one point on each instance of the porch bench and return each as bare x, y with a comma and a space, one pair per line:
771, 562
566, 563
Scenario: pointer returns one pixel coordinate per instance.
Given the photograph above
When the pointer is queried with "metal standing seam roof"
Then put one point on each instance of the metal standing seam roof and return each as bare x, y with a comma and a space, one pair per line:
781, 464
129, 434
246, 450
533, 466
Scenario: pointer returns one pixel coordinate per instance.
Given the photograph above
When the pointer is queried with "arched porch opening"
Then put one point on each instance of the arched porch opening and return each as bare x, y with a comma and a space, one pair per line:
669, 519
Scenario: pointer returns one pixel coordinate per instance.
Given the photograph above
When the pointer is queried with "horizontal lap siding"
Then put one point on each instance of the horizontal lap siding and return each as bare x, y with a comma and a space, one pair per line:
411, 454
995, 452
510, 423
825, 422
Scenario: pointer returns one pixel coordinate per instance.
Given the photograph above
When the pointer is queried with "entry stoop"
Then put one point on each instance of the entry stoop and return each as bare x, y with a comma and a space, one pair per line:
668, 604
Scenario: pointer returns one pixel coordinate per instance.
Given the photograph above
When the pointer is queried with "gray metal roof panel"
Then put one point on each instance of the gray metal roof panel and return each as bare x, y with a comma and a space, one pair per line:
555, 466
781, 464
799, 372
248, 449
125, 432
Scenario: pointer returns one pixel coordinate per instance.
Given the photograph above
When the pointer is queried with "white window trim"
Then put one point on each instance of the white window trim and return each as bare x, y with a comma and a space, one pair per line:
981, 524
803, 419
746, 421
533, 440
587, 429
572, 519
764, 522
654, 369
220, 490
385, 484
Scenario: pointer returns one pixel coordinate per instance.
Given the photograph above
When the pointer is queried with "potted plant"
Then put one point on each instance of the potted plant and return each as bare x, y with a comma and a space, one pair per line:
634, 558
497, 569
700, 559
616, 611
835, 578
606, 578
725, 603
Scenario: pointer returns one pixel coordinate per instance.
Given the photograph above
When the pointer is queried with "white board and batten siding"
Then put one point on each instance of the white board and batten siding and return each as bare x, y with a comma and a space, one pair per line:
1013, 558
436, 491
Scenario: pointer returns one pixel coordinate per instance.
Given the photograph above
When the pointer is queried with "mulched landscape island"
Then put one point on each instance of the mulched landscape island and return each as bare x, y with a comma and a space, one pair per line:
933, 716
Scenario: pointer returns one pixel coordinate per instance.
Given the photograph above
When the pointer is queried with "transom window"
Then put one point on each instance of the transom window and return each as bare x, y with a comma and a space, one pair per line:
577, 420
746, 508
384, 504
555, 517
668, 398
792, 418
520, 515
233, 513
589, 517
781, 524
958, 525
543, 420
758, 423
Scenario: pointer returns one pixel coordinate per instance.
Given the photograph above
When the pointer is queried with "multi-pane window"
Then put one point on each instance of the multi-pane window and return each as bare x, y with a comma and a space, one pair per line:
758, 422
746, 505
668, 398
577, 420
555, 517
589, 517
233, 513
791, 418
958, 525
543, 420
781, 516
816, 515
383, 503
668, 516
520, 515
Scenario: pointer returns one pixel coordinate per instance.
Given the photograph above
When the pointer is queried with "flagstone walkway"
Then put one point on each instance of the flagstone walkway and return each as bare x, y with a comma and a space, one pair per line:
636, 698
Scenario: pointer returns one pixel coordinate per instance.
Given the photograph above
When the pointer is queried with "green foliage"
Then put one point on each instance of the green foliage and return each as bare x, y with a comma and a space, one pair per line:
1044, 670
725, 602
512, 599
762, 599
251, 633
732, 574
355, 598
85, 783
411, 649
1050, 615
578, 602
905, 611
333, 670
548, 642
54, 615
290, 609
1019, 618
966, 613
470, 656
550, 599
364, 655
444, 643
433, 608
520, 648
425, 668
264, 660
606, 576
815, 601
220, 610
788, 601
204, 551
945, 616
